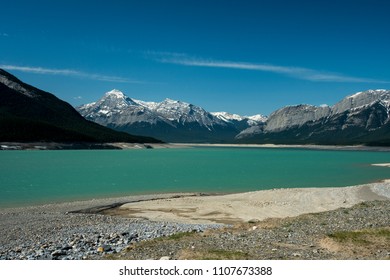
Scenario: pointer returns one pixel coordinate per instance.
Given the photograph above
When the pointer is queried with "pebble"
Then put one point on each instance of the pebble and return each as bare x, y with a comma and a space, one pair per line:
100, 249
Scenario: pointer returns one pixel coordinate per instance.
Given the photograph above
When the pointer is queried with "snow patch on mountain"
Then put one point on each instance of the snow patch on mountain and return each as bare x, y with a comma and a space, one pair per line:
227, 117
251, 120
256, 119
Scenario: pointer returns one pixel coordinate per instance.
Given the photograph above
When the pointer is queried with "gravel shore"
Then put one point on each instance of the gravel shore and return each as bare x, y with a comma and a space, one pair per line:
76, 230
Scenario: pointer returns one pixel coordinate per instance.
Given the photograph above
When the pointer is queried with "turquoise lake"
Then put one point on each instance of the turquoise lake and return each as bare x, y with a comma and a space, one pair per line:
35, 177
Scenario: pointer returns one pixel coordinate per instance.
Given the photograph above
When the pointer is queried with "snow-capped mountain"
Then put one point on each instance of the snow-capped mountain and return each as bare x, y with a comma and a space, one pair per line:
240, 122
115, 109
169, 120
359, 118
183, 113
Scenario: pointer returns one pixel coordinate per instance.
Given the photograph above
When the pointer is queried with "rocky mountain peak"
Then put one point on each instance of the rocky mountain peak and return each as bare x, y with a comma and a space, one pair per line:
295, 116
116, 99
115, 93
172, 101
363, 98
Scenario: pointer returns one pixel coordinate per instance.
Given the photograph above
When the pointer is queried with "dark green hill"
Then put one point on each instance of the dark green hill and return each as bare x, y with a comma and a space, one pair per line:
30, 114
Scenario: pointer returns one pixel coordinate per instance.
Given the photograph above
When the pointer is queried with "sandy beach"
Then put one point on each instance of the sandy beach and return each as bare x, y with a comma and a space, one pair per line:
259, 205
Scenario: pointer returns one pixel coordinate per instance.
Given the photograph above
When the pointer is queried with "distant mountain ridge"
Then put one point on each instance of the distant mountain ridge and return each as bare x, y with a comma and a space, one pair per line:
361, 118
30, 114
169, 120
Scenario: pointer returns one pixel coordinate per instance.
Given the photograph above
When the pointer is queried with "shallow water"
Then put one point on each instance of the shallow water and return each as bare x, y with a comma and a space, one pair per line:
34, 177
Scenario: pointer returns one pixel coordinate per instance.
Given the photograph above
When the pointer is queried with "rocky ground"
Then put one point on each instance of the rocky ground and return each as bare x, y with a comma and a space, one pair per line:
93, 236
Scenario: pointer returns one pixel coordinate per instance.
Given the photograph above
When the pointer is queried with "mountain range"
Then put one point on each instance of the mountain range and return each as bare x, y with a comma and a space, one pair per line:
361, 118
169, 120
29, 114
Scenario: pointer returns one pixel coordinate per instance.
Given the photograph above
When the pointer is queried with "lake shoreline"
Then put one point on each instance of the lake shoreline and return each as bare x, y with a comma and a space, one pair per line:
126, 146
15, 146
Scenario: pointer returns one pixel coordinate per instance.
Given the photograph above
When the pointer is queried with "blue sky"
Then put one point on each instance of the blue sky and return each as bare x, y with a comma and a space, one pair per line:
244, 57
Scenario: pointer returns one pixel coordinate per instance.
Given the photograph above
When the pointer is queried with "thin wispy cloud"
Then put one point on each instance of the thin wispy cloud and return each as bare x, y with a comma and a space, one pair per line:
4, 34
68, 72
296, 72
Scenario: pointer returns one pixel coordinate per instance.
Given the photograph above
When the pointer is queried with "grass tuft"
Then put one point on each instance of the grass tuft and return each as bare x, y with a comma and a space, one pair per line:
214, 254
362, 237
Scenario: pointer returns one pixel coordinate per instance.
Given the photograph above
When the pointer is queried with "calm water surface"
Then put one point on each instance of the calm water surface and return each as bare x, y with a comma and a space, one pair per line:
33, 177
